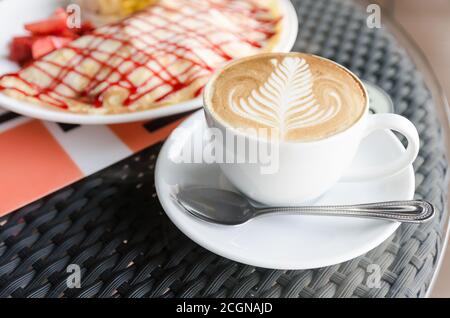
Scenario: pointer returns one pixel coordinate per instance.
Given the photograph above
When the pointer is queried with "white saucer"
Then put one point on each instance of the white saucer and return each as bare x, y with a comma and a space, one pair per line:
12, 20
287, 242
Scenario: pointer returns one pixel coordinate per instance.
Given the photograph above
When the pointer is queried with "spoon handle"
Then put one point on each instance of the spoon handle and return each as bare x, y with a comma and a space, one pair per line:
401, 211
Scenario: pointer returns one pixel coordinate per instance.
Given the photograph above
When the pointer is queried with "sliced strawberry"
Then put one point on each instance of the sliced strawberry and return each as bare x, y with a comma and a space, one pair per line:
86, 27
47, 44
47, 36
42, 46
23, 40
59, 41
21, 49
60, 13
51, 26
68, 33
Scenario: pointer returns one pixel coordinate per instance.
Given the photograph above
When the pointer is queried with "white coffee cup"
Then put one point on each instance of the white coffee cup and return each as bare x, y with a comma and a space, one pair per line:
306, 170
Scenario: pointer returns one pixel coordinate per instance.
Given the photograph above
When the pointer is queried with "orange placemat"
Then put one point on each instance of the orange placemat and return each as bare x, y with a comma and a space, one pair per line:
38, 158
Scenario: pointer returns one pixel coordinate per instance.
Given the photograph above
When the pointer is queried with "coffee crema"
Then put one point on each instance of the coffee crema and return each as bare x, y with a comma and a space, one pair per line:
298, 97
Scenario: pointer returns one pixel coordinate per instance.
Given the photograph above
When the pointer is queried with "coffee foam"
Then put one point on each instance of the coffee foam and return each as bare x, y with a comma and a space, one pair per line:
299, 97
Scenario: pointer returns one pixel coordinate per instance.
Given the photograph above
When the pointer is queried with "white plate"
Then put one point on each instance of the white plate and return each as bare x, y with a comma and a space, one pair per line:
15, 13
287, 242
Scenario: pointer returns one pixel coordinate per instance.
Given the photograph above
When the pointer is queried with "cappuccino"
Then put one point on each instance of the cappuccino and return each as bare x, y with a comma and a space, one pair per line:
297, 97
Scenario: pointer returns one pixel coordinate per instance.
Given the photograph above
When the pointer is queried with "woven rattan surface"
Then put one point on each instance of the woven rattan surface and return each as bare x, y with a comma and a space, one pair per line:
112, 225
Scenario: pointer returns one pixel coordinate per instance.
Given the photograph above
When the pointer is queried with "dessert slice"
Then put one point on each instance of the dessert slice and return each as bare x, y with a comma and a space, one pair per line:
158, 57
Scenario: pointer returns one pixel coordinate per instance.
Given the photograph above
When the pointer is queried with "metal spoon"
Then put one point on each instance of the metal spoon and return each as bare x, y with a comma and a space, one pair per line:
230, 208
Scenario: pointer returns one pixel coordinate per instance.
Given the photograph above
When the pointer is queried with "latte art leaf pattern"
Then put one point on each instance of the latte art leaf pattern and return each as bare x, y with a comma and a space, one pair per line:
286, 101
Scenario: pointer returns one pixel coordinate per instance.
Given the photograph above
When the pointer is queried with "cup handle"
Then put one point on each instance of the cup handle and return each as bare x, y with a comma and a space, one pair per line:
391, 122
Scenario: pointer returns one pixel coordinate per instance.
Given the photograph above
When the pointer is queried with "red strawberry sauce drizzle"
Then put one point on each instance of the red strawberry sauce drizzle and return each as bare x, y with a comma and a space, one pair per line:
49, 95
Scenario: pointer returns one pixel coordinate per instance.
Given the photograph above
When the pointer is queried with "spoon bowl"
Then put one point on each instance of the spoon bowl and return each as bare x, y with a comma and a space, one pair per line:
216, 206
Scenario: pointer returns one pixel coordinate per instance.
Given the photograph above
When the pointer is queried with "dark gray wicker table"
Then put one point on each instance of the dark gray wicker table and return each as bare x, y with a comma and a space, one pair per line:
112, 225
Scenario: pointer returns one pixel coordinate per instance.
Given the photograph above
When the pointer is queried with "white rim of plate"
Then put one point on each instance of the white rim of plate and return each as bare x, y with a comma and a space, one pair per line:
288, 38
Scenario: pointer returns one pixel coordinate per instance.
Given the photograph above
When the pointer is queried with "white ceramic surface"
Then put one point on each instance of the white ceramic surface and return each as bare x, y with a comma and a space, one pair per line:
287, 242
15, 13
303, 171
